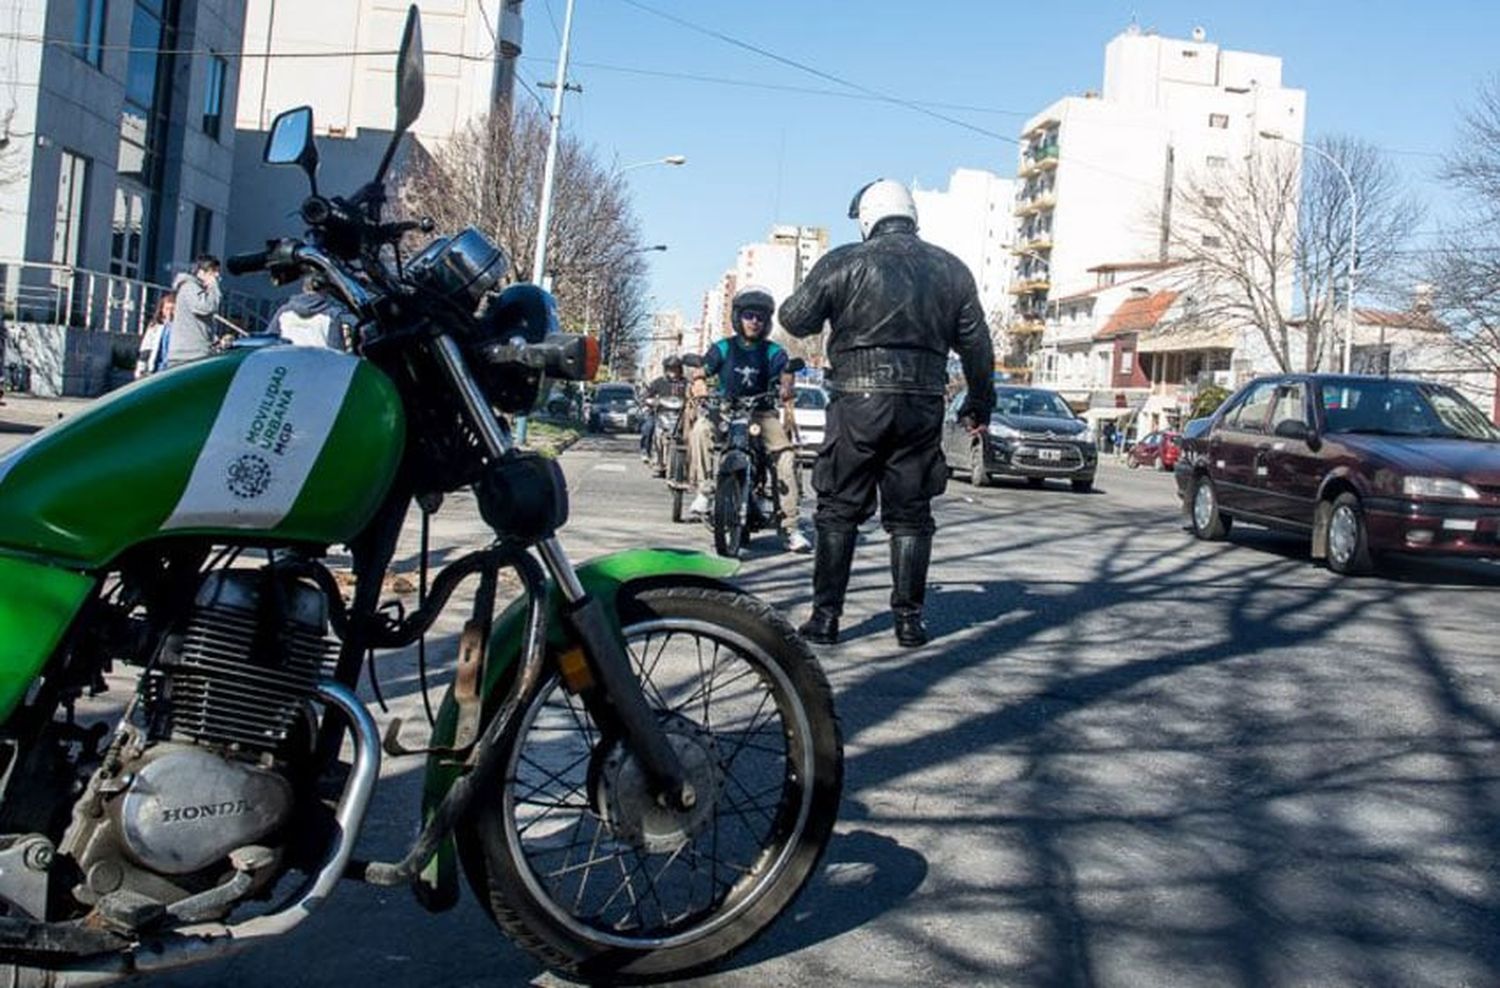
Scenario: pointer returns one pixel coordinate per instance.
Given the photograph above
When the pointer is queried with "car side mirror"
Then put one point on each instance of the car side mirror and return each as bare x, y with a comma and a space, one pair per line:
290, 142
1295, 429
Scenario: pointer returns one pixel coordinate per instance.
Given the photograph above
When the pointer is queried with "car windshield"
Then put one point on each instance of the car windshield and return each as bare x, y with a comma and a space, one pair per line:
811, 398
1032, 402
1382, 407
614, 396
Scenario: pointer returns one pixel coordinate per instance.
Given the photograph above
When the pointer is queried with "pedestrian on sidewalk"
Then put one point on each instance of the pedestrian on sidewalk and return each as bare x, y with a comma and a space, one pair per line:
896, 306
157, 338
197, 296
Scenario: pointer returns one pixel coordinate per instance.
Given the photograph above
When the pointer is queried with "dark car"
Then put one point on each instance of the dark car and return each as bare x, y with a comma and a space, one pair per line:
1033, 434
1158, 450
614, 409
1364, 465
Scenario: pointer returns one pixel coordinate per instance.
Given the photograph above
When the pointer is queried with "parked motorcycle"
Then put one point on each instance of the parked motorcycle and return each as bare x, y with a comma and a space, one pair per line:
746, 497
637, 765
669, 456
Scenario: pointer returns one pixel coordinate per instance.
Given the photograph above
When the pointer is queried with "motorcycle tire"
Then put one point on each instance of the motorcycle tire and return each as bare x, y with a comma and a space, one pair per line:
729, 516
798, 748
677, 505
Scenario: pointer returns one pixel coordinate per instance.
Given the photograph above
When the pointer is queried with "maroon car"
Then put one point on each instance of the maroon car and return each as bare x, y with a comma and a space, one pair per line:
1364, 465
1157, 450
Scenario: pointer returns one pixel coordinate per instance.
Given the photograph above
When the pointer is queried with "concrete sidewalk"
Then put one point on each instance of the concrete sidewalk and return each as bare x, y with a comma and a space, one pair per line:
25, 413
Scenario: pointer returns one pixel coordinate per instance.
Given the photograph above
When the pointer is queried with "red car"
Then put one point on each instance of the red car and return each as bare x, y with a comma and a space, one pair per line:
1158, 450
1363, 465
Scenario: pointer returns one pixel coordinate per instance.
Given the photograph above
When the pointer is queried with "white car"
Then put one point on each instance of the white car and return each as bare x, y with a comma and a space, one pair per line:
809, 410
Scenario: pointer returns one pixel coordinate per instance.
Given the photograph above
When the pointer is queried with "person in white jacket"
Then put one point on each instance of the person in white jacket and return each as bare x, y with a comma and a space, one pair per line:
156, 339
311, 318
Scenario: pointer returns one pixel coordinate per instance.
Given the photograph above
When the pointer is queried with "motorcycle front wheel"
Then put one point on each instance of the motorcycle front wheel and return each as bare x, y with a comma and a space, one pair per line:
729, 515
576, 862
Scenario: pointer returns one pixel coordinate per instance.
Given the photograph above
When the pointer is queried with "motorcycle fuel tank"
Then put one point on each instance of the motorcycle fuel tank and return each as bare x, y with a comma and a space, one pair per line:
275, 442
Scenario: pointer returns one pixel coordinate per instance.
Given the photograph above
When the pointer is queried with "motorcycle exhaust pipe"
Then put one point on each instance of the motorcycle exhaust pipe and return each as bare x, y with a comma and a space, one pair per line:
203, 942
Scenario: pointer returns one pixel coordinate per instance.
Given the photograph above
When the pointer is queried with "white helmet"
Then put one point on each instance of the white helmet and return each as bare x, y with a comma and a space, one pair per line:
880, 200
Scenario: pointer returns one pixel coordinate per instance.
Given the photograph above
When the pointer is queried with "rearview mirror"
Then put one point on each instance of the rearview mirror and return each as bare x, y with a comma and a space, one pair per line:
411, 86
290, 142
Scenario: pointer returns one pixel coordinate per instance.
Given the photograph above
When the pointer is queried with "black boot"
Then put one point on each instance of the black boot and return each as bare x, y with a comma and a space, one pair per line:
831, 560
909, 557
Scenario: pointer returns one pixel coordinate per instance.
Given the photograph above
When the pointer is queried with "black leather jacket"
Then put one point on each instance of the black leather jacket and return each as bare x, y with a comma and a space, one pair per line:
897, 306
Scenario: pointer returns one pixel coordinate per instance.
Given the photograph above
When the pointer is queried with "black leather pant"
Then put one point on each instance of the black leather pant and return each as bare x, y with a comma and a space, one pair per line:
882, 444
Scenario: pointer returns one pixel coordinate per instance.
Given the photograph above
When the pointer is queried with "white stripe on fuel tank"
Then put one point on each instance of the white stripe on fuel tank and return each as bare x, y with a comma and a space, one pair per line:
276, 417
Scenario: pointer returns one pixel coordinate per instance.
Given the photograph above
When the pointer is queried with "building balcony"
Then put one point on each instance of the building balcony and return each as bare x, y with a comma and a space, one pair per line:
1033, 245
1037, 161
1040, 127
1036, 204
1026, 286
1028, 327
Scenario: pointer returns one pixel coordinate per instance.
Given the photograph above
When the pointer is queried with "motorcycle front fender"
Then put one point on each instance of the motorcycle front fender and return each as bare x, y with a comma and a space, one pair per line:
38, 603
605, 579
735, 463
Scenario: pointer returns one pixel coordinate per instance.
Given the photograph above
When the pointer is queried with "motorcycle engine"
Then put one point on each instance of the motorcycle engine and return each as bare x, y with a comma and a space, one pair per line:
197, 769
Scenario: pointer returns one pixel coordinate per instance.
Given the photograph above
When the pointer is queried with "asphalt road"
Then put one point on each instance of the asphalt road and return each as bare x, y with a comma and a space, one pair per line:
1127, 758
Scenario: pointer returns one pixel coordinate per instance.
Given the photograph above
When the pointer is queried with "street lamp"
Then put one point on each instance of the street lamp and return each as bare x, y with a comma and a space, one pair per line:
1272, 135
671, 159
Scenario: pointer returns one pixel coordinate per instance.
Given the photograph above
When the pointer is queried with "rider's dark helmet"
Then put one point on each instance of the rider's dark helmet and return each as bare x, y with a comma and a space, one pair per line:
752, 298
672, 363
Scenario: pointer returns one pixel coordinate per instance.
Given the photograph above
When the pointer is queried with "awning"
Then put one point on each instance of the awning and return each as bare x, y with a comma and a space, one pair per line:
1180, 340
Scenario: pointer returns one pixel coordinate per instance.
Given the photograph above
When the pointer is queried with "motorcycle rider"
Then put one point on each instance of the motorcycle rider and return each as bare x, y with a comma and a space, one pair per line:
671, 384
896, 306
748, 364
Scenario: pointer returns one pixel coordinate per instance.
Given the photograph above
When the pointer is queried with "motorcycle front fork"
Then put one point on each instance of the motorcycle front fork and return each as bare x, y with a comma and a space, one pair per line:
623, 709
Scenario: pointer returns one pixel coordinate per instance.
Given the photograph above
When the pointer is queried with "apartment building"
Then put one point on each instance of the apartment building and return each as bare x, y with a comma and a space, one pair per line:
1098, 173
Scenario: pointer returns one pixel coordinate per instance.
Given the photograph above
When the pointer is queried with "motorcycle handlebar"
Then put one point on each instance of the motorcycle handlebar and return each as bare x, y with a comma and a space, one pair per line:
247, 263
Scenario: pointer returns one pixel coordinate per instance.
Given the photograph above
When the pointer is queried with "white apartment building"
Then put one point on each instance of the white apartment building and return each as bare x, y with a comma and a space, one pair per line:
1097, 174
972, 219
778, 264
318, 60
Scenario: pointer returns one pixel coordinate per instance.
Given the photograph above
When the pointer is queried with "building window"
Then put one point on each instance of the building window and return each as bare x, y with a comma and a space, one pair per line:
1210, 240
72, 190
213, 95
88, 31
1127, 361
1217, 161
1219, 120
203, 231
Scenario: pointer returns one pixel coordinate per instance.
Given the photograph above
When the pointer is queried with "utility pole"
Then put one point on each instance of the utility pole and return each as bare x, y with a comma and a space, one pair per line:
544, 211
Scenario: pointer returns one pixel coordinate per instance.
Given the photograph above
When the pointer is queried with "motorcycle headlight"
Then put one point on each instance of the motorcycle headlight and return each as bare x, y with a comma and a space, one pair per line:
755, 429
462, 268
1001, 431
1438, 487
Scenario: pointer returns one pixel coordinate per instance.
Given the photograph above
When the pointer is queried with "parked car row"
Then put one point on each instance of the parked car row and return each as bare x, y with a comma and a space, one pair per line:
1362, 465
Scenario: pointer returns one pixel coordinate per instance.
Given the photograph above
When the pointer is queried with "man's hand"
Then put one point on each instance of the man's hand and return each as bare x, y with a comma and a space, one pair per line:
699, 388
975, 423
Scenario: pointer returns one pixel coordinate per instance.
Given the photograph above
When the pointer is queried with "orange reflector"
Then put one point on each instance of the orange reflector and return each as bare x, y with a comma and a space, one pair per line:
575, 670
590, 357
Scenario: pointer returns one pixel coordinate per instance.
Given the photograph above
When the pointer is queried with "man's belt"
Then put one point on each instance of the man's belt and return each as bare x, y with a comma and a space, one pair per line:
888, 369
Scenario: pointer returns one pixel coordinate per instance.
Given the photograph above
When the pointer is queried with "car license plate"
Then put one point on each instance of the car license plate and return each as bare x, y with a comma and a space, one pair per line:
1050, 455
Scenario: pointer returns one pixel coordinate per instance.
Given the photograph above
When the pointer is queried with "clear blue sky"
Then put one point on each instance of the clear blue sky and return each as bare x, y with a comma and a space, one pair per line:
1393, 72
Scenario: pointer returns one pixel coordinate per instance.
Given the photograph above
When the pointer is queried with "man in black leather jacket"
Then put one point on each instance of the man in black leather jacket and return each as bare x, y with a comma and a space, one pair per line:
896, 307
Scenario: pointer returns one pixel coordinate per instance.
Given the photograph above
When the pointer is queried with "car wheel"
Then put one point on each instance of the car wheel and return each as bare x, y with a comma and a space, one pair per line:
1347, 538
1208, 522
1036, 481
1131, 462
978, 475
1083, 485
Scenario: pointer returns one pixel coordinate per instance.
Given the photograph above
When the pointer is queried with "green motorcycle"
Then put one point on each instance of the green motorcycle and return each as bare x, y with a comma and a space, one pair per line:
636, 765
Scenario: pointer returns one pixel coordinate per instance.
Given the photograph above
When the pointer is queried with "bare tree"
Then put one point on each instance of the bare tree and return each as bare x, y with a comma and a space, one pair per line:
1268, 243
1464, 271
490, 176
